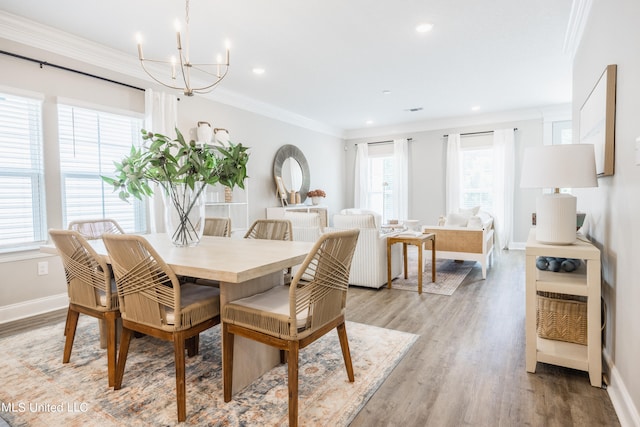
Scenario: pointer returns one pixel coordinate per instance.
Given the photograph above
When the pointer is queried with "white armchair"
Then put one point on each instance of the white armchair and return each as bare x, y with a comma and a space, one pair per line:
369, 264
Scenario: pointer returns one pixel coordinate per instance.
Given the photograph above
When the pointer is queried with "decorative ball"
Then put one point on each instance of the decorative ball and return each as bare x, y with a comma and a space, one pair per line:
568, 265
555, 265
542, 263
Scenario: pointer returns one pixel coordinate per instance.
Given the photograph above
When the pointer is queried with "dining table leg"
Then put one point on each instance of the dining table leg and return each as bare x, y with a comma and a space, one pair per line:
251, 359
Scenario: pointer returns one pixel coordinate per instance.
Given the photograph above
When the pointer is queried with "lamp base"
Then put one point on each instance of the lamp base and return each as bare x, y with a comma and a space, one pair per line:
556, 219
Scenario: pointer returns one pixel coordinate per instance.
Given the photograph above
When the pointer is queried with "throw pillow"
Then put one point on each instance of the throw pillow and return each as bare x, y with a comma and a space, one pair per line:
456, 220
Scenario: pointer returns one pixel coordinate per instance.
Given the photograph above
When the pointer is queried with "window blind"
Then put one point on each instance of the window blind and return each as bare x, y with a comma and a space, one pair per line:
90, 142
22, 207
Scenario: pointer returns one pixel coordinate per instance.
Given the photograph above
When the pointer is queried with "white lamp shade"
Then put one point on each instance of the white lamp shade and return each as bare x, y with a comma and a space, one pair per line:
559, 166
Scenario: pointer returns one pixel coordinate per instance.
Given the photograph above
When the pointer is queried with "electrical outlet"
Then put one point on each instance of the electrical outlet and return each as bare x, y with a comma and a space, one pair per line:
43, 268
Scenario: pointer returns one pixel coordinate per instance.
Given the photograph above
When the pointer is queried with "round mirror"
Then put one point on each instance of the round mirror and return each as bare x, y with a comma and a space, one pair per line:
291, 174
291, 166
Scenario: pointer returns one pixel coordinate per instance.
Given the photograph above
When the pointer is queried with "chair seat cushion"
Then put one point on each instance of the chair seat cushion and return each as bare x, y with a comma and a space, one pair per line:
275, 300
194, 297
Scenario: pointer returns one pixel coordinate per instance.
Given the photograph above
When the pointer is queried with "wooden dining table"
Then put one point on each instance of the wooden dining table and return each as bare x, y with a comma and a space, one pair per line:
243, 267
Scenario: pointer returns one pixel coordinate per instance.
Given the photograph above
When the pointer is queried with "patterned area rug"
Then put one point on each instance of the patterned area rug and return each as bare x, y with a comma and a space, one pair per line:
38, 390
449, 275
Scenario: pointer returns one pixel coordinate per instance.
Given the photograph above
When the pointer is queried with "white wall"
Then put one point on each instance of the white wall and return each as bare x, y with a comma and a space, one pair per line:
427, 166
22, 291
611, 37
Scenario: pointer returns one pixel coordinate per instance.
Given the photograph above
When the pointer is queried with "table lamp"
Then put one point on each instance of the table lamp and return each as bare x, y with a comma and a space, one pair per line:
558, 166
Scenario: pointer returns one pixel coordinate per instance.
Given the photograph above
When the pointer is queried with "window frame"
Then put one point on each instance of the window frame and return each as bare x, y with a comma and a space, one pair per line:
33, 173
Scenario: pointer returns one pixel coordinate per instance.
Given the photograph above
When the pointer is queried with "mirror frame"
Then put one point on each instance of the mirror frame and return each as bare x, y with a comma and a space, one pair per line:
284, 153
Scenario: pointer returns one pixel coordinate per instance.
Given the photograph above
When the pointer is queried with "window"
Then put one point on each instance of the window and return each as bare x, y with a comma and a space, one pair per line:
562, 132
380, 182
90, 141
477, 174
22, 208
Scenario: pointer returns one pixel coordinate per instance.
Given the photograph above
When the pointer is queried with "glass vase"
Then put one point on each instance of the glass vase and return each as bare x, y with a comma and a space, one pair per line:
184, 213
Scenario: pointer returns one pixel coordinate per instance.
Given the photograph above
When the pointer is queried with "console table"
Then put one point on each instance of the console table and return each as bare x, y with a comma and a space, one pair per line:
278, 212
583, 282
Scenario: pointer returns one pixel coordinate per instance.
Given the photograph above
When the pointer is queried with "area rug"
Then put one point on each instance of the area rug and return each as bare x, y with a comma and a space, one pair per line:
36, 389
449, 275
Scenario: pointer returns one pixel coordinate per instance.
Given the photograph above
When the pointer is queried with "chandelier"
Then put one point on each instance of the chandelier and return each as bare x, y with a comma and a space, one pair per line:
217, 71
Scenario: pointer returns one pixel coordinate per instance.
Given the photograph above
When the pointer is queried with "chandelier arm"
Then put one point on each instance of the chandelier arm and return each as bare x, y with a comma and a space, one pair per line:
155, 79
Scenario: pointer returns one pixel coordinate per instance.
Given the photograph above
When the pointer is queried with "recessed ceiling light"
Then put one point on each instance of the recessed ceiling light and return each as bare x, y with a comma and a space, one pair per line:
386, 92
424, 28
258, 70
475, 108
369, 122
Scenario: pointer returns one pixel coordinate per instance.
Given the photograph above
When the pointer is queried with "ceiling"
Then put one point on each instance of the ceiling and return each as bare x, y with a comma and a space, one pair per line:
329, 61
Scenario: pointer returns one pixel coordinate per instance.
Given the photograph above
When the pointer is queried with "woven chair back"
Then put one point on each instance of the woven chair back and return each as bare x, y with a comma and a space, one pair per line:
88, 275
270, 229
324, 297
217, 227
95, 228
147, 286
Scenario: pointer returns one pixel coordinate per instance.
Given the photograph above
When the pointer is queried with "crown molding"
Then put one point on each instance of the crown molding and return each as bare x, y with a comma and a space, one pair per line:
577, 21
33, 34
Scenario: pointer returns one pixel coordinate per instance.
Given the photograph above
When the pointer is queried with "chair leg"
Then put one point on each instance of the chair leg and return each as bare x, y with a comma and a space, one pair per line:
111, 347
125, 340
66, 324
346, 354
294, 349
193, 345
181, 394
227, 362
72, 323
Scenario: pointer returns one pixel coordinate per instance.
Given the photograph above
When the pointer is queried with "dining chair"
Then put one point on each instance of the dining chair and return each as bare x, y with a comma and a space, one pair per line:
217, 227
270, 229
292, 317
155, 303
95, 228
91, 291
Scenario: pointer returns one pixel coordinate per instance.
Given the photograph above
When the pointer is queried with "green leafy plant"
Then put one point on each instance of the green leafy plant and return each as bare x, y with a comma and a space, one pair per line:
175, 165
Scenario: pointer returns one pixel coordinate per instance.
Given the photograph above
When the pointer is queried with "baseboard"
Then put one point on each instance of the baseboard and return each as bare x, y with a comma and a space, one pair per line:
627, 412
22, 310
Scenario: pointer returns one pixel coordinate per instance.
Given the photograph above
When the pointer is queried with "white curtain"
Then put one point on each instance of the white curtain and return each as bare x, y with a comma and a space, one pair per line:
503, 161
453, 184
161, 116
360, 189
401, 179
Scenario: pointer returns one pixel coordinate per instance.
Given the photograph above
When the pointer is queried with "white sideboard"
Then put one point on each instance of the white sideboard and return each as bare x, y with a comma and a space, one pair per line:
278, 212
584, 282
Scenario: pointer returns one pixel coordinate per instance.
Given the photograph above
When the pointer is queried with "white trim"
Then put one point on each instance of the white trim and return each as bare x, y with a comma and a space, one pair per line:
628, 414
23, 310
577, 21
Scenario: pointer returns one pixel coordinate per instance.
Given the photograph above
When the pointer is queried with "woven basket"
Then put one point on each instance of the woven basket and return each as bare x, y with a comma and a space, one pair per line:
562, 317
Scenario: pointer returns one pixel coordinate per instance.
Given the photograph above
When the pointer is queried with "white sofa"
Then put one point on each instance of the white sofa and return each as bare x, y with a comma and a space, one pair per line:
369, 264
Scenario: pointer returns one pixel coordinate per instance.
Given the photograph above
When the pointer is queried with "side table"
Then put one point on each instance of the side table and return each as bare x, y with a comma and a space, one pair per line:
416, 240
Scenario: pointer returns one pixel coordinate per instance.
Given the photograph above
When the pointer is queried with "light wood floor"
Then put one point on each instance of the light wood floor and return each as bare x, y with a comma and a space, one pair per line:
467, 367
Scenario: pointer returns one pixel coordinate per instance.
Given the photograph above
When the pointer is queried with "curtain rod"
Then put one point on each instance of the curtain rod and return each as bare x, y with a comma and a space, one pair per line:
61, 67
475, 133
385, 142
